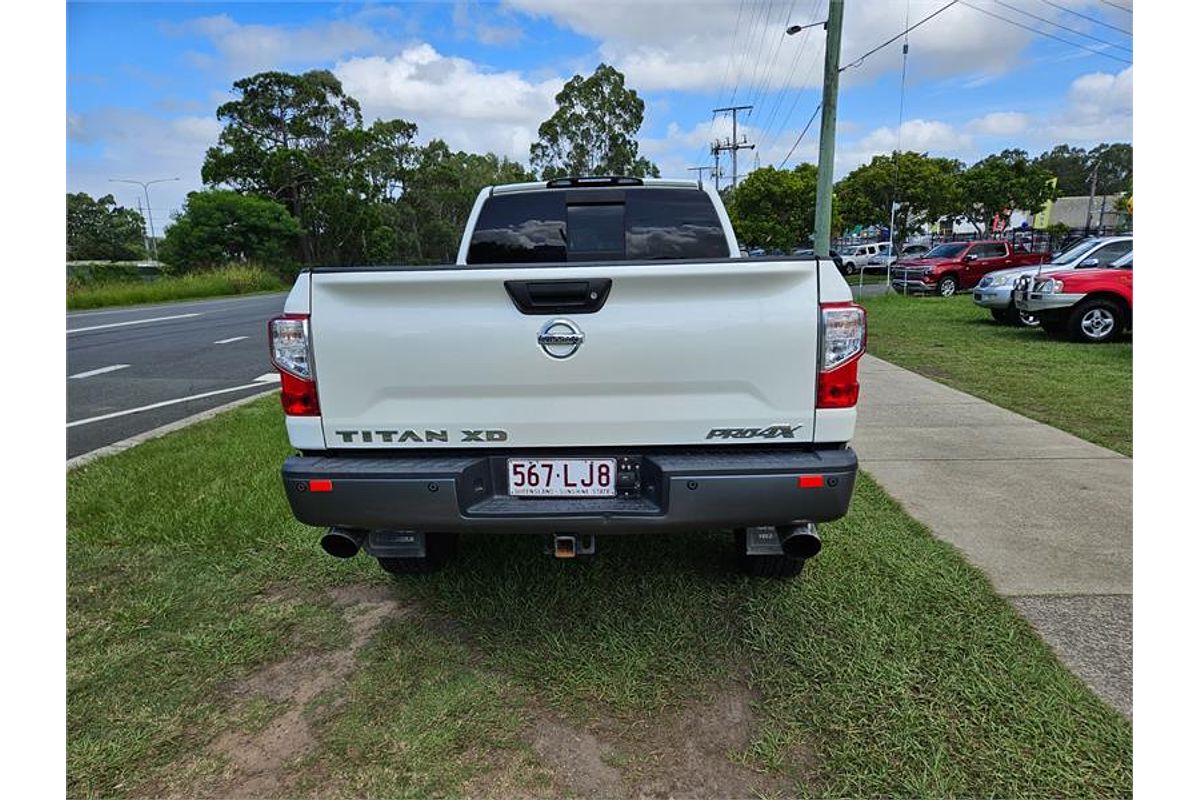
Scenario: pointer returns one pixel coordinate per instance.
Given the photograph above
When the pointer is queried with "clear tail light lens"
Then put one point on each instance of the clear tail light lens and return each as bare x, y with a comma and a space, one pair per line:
289, 345
843, 341
292, 356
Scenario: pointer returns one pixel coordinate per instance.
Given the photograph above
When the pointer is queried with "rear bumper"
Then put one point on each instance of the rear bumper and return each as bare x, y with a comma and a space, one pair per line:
677, 491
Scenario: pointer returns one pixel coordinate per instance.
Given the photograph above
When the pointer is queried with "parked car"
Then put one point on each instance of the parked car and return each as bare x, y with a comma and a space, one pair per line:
808, 251
855, 257
995, 291
1090, 305
521, 390
887, 257
951, 266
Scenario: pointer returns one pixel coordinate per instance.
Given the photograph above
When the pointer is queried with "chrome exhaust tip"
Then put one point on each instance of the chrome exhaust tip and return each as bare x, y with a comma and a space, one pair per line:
342, 542
800, 541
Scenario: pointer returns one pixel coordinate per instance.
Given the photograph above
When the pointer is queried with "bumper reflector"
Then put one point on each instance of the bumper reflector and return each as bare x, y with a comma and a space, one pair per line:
810, 481
320, 486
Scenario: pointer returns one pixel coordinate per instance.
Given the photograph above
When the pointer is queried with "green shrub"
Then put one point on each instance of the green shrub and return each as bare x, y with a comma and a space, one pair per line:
228, 280
87, 272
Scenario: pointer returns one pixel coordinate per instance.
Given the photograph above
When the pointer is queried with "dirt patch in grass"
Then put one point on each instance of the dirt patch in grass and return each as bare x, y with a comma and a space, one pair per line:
687, 752
257, 762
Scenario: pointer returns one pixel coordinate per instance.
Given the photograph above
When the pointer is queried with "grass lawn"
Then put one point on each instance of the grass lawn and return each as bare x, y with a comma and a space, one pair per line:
213, 649
231, 280
1084, 389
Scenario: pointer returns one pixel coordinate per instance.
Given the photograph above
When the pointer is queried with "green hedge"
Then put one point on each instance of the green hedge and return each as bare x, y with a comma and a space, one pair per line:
88, 272
230, 280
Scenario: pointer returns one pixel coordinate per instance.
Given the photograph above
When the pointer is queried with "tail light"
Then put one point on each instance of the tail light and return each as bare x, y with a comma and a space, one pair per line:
843, 341
291, 354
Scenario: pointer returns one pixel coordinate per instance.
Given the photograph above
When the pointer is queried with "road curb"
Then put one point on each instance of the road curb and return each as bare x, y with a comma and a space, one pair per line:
162, 430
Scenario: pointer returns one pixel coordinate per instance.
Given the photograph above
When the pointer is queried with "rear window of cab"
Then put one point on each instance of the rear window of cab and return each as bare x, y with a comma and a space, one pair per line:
559, 226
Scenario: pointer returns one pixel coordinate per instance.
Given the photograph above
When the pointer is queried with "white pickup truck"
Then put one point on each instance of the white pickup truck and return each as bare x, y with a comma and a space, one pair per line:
598, 360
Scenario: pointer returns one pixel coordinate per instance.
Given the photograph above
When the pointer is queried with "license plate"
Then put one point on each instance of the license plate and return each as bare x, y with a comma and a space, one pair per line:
562, 477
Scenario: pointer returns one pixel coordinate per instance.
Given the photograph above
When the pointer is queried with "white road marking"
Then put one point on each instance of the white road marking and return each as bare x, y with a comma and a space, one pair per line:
164, 403
100, 371
132, 322
163, 430
231, 340
270, 377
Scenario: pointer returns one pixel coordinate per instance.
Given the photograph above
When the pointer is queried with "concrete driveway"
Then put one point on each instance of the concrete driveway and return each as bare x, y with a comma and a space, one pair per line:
1045, 514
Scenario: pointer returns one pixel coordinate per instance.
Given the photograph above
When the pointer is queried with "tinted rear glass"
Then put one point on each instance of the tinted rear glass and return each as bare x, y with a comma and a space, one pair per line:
558, 226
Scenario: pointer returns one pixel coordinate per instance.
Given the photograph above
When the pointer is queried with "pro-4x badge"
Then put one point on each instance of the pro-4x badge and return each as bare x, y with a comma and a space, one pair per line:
771, 432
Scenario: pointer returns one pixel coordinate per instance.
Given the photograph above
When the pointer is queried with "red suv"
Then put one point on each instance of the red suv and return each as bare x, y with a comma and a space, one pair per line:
951, 266
1091, 305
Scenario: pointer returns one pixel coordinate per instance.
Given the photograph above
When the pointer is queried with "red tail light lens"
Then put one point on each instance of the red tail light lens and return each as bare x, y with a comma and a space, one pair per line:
291, 354
843, 341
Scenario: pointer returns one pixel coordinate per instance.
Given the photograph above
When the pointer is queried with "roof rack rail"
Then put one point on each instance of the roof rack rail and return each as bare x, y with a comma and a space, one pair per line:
594, 180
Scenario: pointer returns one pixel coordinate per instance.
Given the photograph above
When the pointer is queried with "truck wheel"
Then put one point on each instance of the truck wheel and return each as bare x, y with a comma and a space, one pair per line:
947, 286
848, 268
781, 566
439, 549
1097, 321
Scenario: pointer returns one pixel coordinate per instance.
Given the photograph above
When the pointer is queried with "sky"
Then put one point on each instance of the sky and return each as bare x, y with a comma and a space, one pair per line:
144, 79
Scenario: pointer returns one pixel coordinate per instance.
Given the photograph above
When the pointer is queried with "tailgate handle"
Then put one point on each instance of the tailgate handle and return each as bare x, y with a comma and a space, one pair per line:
559, 297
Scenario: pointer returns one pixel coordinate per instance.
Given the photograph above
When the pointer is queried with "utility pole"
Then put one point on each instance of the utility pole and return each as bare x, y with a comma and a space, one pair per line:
833, 51
733, 145
1087, 226
716, 170
149, 213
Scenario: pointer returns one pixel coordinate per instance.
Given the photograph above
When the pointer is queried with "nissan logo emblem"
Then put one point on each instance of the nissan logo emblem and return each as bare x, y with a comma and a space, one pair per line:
560, 338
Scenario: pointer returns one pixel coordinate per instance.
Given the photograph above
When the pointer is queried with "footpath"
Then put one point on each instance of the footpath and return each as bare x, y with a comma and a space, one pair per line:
1046, 515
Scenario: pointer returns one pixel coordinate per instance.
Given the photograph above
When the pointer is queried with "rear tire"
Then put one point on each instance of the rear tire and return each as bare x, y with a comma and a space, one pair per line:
848, 268
780, 566
439, 550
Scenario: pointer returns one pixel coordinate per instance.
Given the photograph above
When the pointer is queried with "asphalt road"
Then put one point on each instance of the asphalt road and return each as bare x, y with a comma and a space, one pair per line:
119, 361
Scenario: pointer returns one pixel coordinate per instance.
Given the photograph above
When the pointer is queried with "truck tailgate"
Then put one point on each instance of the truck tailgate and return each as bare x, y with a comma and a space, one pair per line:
679, 353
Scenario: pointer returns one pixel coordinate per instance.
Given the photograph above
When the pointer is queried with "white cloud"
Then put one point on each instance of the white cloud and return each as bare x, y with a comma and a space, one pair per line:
244, 49
687, 44
452, 98
1000, 123
136, 145
1099, 108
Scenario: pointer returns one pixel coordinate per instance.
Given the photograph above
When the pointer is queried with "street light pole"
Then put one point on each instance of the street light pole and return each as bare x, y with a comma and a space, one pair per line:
149, 213
833, 51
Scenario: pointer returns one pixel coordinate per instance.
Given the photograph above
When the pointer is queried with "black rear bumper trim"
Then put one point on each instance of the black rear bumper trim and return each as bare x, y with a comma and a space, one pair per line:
679, 491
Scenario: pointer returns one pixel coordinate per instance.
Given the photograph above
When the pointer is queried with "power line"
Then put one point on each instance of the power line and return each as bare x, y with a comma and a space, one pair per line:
760, 97
763, 45
858, 61
742, 58
807, 75
801, 136
1063, 27
1117, 5
1047, 35
732, 48
1089, 19
801, 49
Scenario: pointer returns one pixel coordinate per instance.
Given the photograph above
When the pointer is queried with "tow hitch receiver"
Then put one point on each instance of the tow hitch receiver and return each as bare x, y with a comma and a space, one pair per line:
569, 545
